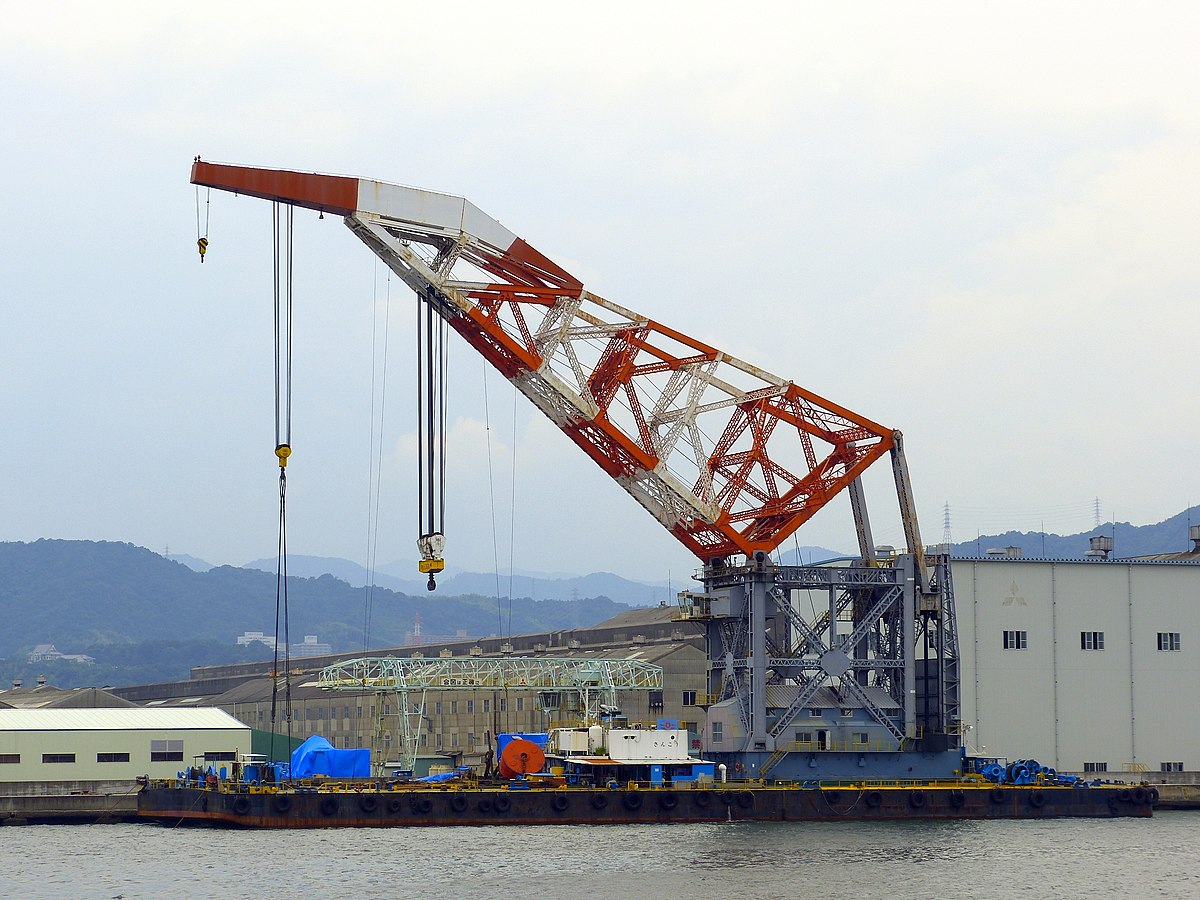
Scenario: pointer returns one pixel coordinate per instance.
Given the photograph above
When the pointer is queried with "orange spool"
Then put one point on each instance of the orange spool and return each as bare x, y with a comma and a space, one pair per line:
521, 757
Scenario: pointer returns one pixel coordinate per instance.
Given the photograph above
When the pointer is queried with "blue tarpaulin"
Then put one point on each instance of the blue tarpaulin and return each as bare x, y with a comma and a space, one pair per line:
317, 756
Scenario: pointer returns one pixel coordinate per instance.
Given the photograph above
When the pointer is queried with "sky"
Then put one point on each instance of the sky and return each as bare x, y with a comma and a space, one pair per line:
973, 223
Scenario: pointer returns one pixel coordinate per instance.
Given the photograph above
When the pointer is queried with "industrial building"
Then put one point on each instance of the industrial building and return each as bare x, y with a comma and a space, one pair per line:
1084, 665
457, 725
56, 746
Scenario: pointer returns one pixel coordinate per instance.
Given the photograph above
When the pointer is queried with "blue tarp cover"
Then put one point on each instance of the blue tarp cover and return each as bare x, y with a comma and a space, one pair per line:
317, 756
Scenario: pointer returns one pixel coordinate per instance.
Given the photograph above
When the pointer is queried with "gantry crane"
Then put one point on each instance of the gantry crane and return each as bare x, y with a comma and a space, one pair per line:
582, 686
726, 456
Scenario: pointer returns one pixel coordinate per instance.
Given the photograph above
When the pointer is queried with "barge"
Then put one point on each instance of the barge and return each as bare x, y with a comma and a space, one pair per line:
379, 804
614, 775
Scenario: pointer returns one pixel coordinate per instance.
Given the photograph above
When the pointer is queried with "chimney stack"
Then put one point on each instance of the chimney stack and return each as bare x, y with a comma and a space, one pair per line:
1102, 545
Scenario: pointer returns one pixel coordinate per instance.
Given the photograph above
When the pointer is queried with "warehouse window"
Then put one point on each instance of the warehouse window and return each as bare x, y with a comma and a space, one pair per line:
487, 705
112, 757
520, 703
58, 757
689, 698
718, 732
1170, 767
803, 737
1091, 640
861, 737
470, 706
1168, 641
166, 751
454, 707
437, 708
1015, 640
503, 704
9, 758
1095, 767
816, 712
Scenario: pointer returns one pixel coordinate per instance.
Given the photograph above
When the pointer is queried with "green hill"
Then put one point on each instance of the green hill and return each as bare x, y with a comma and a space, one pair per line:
116, 600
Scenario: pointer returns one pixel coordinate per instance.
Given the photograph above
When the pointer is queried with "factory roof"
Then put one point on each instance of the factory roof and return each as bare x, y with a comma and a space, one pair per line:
133, 719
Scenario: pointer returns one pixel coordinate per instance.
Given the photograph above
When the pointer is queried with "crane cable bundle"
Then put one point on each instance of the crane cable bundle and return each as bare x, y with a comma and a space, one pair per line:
283, 450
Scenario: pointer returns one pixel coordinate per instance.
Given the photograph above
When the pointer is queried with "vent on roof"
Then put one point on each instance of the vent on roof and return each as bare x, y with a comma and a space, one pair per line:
572, 644
475, 651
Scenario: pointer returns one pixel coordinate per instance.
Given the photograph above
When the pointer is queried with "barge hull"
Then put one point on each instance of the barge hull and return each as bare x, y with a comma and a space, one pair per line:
600, 806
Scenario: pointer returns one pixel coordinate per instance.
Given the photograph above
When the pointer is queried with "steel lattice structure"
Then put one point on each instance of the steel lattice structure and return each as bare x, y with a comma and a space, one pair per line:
457, 673
593, 681
728, 457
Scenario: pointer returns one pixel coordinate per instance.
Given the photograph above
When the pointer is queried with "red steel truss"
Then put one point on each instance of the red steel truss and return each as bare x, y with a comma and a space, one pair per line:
729, 458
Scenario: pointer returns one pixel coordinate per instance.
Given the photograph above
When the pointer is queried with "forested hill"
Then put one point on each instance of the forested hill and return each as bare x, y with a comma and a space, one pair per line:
1168, 536
81, 594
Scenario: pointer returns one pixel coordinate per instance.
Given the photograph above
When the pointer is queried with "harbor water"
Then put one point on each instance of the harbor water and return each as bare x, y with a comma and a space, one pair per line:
1131, 858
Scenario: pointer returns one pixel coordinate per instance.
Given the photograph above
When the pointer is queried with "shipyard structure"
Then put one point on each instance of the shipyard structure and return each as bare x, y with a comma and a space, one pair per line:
1065, 661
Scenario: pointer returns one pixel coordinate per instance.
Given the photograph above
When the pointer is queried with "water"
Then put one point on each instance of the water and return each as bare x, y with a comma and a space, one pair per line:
1131, 858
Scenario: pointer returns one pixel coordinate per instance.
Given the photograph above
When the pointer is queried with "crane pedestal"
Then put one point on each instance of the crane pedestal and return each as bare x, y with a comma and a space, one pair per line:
830, 672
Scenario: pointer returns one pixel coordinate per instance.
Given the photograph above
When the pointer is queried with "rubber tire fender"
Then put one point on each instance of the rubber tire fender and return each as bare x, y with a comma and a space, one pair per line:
632, 800
328, 806
917, 799
1139, 795
395, 805
241, 805
458, 803
745, 799
282, 803
1037, 798
997, 794
599, 801
560, 803
424, 805
957, 798
368, 803
703, 799
874, 798
502, 804
668, 801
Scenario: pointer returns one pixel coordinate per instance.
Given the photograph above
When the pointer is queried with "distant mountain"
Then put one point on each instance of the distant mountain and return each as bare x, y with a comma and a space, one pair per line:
192, 562
534, 585
1167, 536
78, 594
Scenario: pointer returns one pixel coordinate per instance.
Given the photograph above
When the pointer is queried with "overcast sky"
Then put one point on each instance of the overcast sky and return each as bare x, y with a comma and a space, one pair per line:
974, 223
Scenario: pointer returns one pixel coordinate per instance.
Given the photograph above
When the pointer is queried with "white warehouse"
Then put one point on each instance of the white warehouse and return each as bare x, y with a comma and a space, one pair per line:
92, 745
1083, 665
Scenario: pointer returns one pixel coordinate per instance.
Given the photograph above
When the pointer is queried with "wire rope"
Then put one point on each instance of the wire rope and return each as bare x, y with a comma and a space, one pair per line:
487, 430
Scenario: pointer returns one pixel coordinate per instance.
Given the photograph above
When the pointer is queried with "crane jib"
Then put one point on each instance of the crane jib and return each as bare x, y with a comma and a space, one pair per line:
728, 457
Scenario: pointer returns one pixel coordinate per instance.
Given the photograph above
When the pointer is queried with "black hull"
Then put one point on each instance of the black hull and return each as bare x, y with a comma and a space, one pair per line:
598, 806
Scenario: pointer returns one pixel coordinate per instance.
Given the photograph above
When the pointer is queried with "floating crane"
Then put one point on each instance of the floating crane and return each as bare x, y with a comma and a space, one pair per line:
729, 458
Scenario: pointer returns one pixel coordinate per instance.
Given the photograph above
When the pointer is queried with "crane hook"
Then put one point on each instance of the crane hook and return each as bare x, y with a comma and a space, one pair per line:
202, 245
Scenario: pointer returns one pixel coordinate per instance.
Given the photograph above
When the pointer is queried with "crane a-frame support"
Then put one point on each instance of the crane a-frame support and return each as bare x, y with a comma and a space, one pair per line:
728, 457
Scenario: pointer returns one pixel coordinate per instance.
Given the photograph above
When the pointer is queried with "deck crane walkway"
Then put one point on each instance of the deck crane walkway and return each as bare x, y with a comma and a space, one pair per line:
729, 458
591, 683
